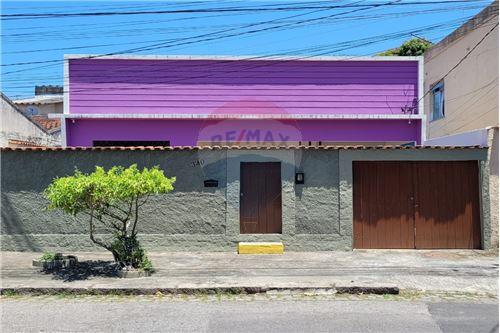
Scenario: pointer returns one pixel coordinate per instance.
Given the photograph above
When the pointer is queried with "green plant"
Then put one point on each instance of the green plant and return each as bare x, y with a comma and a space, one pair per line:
390, 52
146, 264
412, 47
132, 253
10, 293
113, 199
48, 256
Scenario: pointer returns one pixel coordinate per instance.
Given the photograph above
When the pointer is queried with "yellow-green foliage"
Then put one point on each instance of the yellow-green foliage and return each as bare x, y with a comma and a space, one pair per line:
101, 188
112, 198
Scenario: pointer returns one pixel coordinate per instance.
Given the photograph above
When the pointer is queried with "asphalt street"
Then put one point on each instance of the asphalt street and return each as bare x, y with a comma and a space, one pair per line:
157, 315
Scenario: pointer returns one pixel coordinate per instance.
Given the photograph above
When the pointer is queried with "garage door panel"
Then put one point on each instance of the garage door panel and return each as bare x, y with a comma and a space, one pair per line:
459, 221
424, 205
383, 216
428, 185
447, 211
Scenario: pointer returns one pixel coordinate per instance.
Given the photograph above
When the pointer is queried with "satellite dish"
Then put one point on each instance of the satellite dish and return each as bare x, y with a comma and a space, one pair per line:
32, 111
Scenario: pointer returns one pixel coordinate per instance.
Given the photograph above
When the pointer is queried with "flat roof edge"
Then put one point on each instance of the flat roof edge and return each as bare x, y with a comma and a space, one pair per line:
242, 57
172, 116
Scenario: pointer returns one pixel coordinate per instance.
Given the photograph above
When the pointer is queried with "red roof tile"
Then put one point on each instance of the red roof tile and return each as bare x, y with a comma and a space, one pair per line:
247, 148
47, 123
25, 143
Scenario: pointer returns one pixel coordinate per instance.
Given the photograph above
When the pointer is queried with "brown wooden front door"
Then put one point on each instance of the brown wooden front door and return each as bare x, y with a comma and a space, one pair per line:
260, 198
422, 205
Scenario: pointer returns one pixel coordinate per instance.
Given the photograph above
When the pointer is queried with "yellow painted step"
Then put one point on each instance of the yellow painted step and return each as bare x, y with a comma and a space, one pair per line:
261, 248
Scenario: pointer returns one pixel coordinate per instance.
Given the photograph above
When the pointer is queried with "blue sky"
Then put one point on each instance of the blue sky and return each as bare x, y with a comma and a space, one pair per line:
33, 47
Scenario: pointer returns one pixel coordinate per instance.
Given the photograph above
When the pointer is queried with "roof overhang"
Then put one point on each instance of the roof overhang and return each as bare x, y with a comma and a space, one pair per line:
243, 57
248, 148
45, 99
235, 116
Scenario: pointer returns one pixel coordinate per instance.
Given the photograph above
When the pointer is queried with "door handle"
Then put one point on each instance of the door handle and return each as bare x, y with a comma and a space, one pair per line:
412, 199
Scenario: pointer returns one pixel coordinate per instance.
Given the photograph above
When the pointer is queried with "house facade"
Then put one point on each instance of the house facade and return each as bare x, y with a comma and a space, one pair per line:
193, 101
48, 100
19, 130
319, 154
462, 106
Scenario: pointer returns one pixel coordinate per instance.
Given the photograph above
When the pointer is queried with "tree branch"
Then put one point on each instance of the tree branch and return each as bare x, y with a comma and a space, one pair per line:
110, 214
145, 200
136, 217
119, 208
92, 238
113, 226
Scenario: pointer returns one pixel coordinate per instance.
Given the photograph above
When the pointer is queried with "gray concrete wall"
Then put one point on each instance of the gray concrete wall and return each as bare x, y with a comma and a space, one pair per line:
493, 183
316, 215
192, 215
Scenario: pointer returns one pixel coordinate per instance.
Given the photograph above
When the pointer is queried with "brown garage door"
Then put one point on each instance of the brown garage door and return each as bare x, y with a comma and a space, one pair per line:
260, 198
423, 205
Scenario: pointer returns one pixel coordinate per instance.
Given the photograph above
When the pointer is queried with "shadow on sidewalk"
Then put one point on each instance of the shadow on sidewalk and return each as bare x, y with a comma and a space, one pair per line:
85, 270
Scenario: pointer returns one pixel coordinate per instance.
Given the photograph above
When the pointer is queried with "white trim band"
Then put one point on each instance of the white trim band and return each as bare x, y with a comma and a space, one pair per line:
248, 58
234, 116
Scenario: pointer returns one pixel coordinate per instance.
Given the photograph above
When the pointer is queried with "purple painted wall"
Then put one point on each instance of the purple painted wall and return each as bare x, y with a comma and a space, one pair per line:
239, 87
82, 132
121, 86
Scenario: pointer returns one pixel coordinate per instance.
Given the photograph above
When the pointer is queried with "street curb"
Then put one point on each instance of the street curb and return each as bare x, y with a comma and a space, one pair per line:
355, 290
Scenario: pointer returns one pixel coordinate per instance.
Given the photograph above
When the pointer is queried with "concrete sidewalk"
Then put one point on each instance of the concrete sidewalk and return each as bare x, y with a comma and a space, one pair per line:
434, 271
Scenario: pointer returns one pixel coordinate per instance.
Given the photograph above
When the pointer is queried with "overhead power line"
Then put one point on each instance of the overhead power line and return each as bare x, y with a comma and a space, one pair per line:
210, 10
462, 59
151, 26
40, 30
312, 52
213, 35
329, 47
326, 49
318, 54
164, 44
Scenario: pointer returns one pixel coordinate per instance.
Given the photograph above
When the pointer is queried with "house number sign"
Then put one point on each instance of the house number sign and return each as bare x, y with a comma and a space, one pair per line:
197, 162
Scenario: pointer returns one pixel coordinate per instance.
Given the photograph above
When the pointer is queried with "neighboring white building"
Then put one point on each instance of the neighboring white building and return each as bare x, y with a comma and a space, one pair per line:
17, 129
47, 99
461, 85
41, 105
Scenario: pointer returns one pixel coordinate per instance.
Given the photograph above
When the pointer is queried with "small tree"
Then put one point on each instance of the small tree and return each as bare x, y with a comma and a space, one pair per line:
412, 47
112, 199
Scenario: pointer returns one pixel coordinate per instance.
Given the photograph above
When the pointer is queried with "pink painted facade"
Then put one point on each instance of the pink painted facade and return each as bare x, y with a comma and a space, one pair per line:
188, 101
